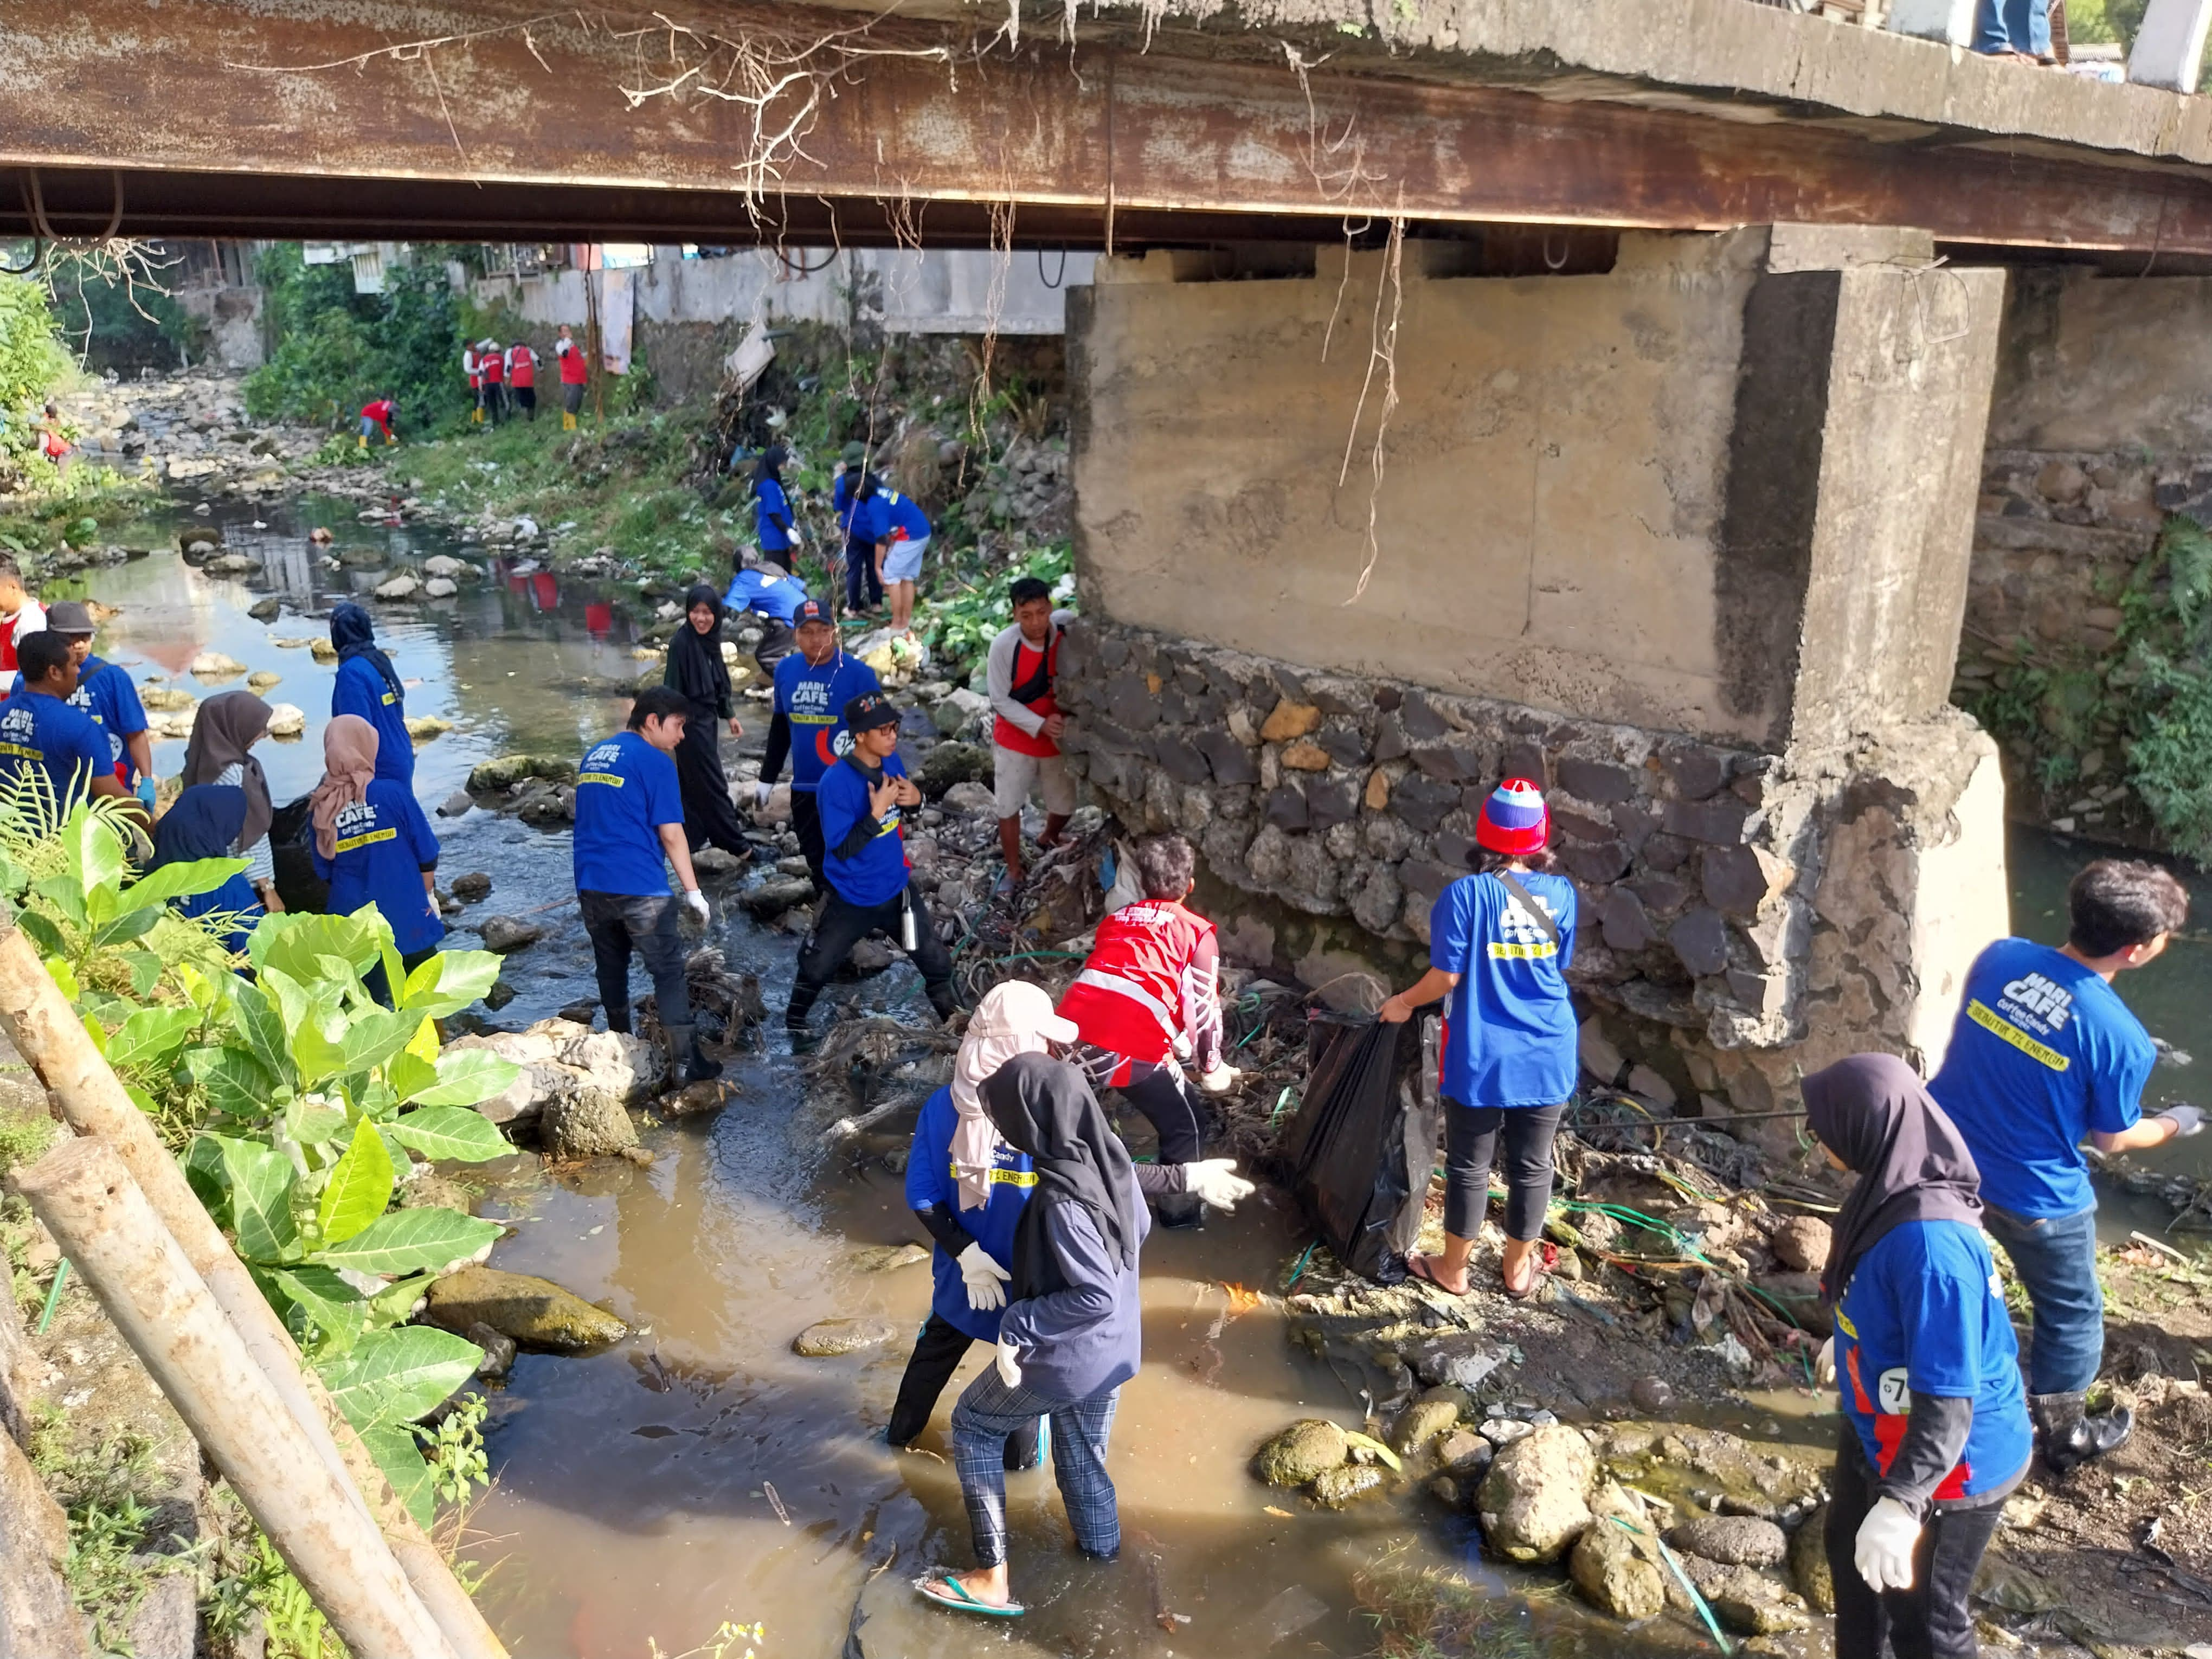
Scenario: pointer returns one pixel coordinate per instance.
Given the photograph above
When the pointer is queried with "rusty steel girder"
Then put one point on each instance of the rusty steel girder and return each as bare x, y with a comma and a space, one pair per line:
497, 120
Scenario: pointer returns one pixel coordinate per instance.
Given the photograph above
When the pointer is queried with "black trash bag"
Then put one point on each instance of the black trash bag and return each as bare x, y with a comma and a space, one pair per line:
1363, 1142
291, 849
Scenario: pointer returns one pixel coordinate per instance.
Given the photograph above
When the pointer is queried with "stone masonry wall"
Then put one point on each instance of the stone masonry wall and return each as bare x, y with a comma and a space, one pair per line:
1744, 915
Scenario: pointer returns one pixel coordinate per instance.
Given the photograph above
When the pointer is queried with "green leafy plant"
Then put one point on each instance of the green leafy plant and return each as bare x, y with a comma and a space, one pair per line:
960, 626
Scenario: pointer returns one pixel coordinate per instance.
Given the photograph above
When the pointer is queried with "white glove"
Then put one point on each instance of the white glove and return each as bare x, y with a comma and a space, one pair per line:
1220, 1081
1824, 1367
1010, 1369
696, 902
986, 1280
1215, 1181
2186, 1119
761, 791
1883, 1553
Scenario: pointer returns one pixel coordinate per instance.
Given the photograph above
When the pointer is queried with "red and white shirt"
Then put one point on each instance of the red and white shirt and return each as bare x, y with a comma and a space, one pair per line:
1147, 990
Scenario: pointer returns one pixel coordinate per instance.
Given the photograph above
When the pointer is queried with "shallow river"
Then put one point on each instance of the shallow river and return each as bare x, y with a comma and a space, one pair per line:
701, 1472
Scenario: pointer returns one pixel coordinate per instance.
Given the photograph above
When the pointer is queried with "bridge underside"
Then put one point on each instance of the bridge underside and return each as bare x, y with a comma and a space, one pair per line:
490, 120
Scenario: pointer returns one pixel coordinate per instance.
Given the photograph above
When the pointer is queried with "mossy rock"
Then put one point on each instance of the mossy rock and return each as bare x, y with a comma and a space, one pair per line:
1808, 1562
1308, 1449
491, 777
1340, 1488
535, 1312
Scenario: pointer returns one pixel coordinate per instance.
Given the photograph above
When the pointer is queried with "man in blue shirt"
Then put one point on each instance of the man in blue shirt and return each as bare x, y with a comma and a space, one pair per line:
772, 594
104, 692
864, 589
2043, 1053
629, 817
813, 686
861, 798
48, 746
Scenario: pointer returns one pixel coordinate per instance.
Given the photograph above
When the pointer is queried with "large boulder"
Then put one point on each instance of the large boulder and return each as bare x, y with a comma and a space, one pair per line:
1306, 1449
535, 1313
1345, 1485
1612, 1566
506, 934
1733, 1541
560, 1057
1535, 1500
490, 777
973, 800
961, 709
1745, 1599
953, 763
585, 1123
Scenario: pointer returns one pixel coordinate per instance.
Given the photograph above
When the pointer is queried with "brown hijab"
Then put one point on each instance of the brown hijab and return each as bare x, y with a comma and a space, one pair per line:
224, 730
349, 767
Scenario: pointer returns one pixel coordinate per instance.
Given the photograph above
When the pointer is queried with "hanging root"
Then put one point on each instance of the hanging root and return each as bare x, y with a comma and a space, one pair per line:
1382, 352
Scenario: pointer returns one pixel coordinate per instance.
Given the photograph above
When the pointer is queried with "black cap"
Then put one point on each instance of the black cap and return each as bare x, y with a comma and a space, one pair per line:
870, 710
811, 611
67, 616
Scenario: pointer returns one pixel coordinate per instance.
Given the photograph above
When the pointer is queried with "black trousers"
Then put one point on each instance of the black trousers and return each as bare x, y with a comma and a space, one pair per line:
863, 587
937, 1354
1471, 1138
619, 923
1932, 1619
1163, 1094
710, 817
777, 642
572, 398
806, 824
844, 924
525, 398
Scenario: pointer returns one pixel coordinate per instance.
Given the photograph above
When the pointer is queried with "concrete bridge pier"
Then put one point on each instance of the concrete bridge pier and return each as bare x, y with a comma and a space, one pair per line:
1685, 536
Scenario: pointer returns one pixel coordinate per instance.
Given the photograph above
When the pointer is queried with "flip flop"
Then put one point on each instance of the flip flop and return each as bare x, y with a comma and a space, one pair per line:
1418, 1265
960, 1601
1540, 1264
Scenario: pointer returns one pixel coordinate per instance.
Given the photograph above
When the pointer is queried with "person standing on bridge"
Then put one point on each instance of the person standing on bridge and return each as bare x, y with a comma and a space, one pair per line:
522, 377
2045, 1054
369, 686
2013, 28
814, 684
574, 373
1026, 735
695, 668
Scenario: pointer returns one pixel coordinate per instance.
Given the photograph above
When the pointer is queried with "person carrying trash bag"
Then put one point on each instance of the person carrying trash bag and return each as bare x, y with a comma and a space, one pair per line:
967, 1185
1936, 1432
1499, 944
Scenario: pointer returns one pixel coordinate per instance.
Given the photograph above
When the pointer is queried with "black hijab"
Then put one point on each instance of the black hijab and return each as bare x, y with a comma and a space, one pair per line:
202, 822
769, 468
354, 635
1913, 1164
1044, 1107
695, 659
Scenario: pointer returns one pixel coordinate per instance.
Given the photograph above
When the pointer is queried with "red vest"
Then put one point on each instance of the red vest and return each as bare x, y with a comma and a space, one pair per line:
1032, 668
1128, 998
573, 368
521, 367
493, 366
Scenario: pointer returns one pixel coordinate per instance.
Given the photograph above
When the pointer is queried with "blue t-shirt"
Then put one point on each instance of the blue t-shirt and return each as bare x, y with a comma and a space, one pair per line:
770, 504
879, 875
104, 692
361, 691
931, 1183
384, 846
625, 789
2044, 1053
1924, 1313
1509, 1036
889, 516
813, 700
236, 896
66, 744
770, 592
847, 507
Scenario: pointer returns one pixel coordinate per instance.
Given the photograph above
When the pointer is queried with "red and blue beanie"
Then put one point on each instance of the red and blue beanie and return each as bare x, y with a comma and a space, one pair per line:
1514, 819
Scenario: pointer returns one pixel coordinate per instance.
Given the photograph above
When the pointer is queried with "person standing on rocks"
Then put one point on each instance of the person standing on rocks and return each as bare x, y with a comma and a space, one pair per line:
2044, 1054
522, 378
48, 746
219, 750
629, 814
104, 692
1024, 661
813, 686
900, 531
1935, 1431
697, 670
864, 588
778, 532
1146, 1002
1499, 944
861, 799
575, 374
1073, 1330
20, 616
369, 685
373, 845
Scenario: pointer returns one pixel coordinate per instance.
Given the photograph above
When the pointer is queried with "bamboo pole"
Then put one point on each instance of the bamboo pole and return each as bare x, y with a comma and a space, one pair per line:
47, 1032
165, 1311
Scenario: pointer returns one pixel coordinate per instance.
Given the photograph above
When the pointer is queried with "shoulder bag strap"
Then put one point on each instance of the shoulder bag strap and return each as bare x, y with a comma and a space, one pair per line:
1528, 902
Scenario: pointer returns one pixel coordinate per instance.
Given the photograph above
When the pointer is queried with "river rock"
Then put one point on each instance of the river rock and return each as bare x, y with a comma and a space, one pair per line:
402, 587
971, 800
287, 720
443, 564
773, 898
1733, 1541
493, 776
887, 1258
1424, 1421
499, 1351
952, 763
232, 564
1651, 1393
1345, 1485
1301, 1452
1613, 1566
1745, 1599
423, 727
1808, 1562
439, 588
471, 887
831, 1337
266, 609
1535, 1500
559, 1056
289, 644
166, 1621
213, 665
1465, 1453
166, 699
363, 558
456, 806
536, 1313
1801, 1243
505, 933
959, 710
323, 650
586, 1123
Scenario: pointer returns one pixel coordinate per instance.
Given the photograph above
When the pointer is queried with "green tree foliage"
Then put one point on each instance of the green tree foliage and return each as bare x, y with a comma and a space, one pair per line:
32, 359
334, 349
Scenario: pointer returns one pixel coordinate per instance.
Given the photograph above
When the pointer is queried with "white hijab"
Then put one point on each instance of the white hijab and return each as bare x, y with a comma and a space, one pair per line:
1013, 1019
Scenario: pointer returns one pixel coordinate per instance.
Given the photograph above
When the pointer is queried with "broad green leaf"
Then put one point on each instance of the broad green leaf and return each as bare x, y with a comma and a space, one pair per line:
145, 968
396, 1375
236, 1084
149, 1036
203, 1169
95, 852
297, 944
399, 1457
424, 1044
395, 1304
121, 931
449, 981
259, 1022
410, 1241
313, 1024
334, 1307
44, 934
260, 1180
373, 1039
310, 1122
64, 895
458, 1133
410, 1073
177, 881
358, 1187
469, 1076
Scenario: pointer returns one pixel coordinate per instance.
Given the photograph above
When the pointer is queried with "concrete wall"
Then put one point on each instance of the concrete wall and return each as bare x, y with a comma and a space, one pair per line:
233, 316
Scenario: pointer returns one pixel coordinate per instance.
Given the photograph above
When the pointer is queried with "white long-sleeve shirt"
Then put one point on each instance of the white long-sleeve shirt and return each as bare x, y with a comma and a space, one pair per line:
999, 674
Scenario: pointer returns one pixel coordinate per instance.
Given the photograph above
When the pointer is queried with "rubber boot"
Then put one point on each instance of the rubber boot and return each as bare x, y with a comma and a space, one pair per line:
942, 999
2069, 1437
686, 1065
567, 422
801, 1004
476, 415
362, 442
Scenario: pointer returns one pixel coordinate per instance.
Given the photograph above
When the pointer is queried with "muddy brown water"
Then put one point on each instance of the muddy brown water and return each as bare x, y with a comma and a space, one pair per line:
700, 1471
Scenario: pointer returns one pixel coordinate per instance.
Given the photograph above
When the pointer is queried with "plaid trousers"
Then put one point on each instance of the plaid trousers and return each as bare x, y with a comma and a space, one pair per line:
989, 1411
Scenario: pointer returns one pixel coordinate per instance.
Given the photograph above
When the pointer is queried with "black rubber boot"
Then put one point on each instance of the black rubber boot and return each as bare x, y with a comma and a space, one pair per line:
2069, 1436
686, 1065
942, 999
800, 1005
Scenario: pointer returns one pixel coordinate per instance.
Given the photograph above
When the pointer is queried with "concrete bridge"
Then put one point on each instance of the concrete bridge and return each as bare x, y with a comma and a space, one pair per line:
1598, 392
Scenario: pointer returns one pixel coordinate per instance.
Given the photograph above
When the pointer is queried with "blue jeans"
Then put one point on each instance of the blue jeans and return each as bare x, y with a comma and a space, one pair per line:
2012, 26
2056, 1259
